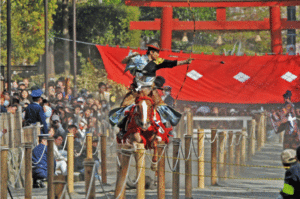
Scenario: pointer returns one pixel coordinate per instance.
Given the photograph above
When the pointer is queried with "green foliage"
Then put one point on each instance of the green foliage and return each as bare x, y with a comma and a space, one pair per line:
105, 23
90, 77
27, 30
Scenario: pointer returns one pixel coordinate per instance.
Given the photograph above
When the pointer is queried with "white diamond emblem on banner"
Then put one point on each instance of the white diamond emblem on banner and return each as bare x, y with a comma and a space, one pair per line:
289, 77
194, 75
241, 77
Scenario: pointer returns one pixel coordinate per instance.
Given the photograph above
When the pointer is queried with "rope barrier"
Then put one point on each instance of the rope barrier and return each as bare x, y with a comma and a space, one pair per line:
177, 159
217, 134
102, 187
80, 152
63, 192
236, 178
17, 174
194, 148
98, 147
233, 142
139, 175
41, 156
185, 159
125, 180
158, 159
91, 182
242, 165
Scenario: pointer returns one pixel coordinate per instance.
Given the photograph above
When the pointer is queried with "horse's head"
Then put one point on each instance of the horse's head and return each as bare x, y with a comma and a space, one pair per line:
144, 110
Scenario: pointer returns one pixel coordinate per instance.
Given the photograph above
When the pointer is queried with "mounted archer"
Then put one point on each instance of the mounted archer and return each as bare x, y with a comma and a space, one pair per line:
143, 68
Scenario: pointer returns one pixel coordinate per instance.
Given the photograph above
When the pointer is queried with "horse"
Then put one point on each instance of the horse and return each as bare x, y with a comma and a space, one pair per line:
144, 125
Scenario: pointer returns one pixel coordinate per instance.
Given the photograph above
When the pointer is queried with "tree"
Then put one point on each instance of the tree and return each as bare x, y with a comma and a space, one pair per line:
27, 25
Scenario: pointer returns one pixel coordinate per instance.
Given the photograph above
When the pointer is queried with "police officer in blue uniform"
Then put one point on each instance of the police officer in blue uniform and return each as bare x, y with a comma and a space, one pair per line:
39, 162
34, 112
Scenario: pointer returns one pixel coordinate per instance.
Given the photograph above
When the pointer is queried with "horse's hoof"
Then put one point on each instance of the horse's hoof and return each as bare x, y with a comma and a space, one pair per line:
154, 167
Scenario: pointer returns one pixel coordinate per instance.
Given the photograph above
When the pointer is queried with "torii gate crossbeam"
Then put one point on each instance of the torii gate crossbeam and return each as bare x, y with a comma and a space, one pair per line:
167, 24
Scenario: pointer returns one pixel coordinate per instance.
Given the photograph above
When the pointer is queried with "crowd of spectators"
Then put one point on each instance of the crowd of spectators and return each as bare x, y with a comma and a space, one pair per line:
65, 112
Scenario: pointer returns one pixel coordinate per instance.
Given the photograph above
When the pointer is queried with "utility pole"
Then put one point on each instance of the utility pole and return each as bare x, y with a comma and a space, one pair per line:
74, 47
46, 47
9, 46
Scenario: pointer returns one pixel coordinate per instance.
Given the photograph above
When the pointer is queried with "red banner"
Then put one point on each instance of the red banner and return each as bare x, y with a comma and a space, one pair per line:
219, 79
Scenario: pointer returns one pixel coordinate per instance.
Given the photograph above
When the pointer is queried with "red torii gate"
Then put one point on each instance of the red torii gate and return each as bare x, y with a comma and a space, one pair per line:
167, 24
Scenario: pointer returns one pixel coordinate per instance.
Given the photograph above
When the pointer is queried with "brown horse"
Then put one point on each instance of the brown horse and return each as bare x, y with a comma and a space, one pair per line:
141, 127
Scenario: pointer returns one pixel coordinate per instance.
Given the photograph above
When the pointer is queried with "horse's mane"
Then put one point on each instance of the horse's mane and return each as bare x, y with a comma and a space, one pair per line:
141, 97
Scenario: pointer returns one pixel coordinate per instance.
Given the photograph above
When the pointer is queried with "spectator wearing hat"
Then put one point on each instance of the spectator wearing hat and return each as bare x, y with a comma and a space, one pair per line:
22, 86
168, 99
34, 112
290, 159
285, 119
39, 160
58, 128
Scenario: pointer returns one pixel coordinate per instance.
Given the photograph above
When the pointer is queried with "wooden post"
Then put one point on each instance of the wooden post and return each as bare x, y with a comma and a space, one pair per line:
190, 125
5, 138
59, 184
28, 169
50, 167
89, 146
4, 171
222, 166
238, 152
281, 137
231, 154
121, 178
161, 171
243, 147
70, 161
251, 143
13, 141
263, 132
214, 145
103, 159
259, 134
140, 169
188, 166
176, 166
201, 179
88, 174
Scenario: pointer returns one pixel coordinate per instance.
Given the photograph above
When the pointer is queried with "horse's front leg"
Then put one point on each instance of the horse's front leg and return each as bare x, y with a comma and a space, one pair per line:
135, 139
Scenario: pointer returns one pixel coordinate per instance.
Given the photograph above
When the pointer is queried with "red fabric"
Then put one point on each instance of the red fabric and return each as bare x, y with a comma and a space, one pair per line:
217, 83
133, 128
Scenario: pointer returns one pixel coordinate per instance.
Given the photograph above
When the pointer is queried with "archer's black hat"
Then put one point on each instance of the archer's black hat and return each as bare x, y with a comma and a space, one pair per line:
287, 95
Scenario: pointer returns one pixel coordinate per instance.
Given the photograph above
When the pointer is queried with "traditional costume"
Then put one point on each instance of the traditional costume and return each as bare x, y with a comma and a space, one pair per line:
285, 119
144, 72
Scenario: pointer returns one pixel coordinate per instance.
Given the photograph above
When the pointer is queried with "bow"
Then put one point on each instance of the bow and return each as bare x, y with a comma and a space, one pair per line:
194, 35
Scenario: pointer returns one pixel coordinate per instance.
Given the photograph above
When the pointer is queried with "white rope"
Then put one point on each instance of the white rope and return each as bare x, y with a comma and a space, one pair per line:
80, 152
63, 192
213, 139
102, 187
233, 140
125, 180
177, 159
66, 140
189, 154
41, 156
139, 175
155, 163
91, 182
97, 149
17, 174
194, 148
